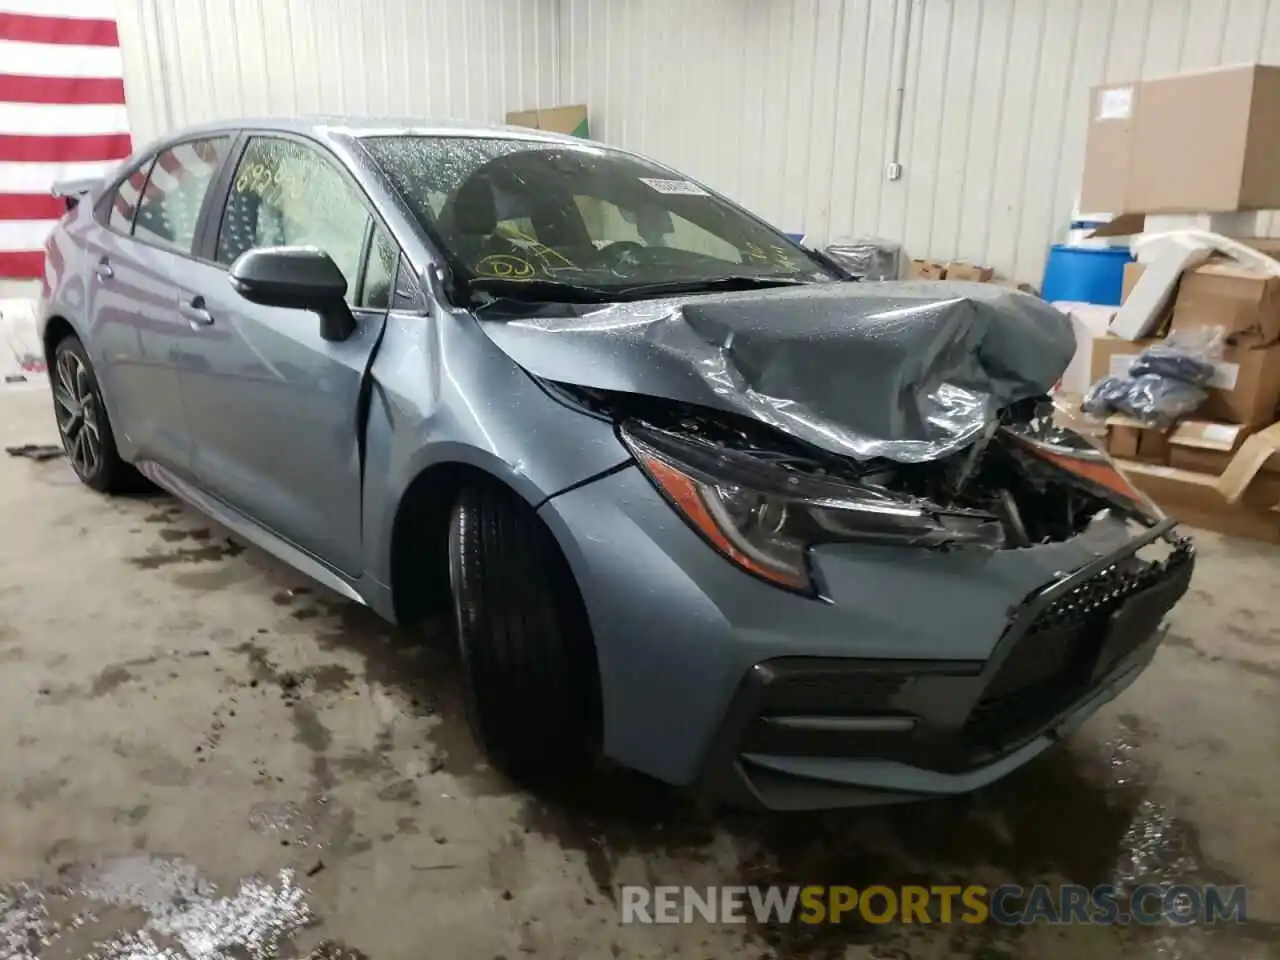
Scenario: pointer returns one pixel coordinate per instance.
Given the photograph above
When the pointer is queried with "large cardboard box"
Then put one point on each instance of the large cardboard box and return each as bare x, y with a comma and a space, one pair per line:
1201, 142
1249, 478
1244, 303
1107, 147
1195, 499
1113, 355
1246, 386
1205, 446
571, 120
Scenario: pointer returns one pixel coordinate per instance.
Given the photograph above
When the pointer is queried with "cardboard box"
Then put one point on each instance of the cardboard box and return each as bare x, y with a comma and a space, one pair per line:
1107, 147
1112, 356
1194, 499
1243, 302
571, 120
1246, 387
1205, 446
1206, 142
926, 270
1132, 274
1200, 142
1268, 245
1245, 480
1130, 439
959, 270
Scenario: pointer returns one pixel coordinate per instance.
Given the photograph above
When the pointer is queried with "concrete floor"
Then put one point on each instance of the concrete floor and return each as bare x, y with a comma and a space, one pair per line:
183, 720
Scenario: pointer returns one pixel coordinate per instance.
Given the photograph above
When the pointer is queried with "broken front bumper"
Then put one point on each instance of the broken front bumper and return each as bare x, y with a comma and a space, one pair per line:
693, 652
806, 733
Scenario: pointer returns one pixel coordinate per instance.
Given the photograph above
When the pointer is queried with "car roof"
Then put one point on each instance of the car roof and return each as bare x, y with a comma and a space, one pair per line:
330, 127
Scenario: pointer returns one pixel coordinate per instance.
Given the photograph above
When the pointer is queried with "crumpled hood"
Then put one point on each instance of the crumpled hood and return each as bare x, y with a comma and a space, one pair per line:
907, 371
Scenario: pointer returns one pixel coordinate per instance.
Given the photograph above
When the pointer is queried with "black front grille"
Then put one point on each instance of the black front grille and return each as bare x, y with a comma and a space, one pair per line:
1054, 660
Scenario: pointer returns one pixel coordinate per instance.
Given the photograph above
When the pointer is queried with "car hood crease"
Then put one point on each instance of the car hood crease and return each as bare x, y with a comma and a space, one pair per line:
905, 371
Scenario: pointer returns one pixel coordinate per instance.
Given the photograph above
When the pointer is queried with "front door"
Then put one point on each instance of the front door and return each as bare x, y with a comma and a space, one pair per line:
272, 406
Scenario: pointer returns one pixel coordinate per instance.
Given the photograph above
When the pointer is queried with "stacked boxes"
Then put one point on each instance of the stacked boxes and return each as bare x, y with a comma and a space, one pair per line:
1219, 466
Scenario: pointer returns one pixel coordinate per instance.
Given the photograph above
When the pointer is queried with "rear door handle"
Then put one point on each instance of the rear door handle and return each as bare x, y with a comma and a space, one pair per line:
103, 269
195, 312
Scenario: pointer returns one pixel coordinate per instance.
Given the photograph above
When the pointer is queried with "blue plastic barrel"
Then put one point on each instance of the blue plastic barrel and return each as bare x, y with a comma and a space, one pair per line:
1085, 274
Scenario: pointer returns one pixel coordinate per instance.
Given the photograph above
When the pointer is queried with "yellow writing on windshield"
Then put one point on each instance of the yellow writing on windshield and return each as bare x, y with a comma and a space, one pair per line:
506, 267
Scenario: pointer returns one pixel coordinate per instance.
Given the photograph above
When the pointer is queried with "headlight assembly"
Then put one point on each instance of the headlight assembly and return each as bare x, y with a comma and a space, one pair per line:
764, 517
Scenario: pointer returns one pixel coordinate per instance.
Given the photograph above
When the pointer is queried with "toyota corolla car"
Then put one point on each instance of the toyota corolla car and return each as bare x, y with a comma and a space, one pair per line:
699, 502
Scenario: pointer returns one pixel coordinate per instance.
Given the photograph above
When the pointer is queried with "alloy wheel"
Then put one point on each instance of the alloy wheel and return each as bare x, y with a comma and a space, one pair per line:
79, 414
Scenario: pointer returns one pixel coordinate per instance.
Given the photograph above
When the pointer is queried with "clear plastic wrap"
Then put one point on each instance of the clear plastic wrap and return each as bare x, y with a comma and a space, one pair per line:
867, 258
1160, 401
1165, 382
906, 371
1173, 364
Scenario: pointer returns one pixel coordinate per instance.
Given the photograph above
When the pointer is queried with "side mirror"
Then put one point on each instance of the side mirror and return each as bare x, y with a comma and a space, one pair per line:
297, 278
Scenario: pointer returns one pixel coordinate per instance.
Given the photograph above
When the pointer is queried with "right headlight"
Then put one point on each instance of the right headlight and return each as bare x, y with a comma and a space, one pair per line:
764, 517
1089, 465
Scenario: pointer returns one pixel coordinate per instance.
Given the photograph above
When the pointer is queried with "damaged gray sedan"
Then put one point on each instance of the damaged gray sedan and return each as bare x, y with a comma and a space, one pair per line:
698, 503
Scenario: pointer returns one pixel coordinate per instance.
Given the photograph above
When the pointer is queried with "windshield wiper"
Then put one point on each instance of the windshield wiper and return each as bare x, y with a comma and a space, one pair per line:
560, 291
708, 285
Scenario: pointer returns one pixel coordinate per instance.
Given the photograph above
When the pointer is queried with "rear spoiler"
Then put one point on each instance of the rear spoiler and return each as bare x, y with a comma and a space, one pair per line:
70, 191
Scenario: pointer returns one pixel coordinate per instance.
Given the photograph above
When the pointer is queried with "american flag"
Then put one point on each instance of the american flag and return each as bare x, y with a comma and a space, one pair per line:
62, 115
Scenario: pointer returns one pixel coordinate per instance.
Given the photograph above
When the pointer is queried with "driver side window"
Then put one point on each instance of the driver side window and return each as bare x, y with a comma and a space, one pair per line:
286, 193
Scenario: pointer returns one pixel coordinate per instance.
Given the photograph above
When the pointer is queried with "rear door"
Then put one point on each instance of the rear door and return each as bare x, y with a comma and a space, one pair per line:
151, 221
272, 406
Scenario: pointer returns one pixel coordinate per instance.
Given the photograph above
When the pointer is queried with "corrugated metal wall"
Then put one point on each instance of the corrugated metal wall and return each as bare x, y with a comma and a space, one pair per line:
192, 60
786, 104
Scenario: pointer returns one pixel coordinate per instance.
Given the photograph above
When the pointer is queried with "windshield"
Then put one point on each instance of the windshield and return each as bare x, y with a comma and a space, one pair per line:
524, 216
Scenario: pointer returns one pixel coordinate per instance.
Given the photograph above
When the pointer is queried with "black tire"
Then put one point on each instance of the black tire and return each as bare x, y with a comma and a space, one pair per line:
532, 688
74, 386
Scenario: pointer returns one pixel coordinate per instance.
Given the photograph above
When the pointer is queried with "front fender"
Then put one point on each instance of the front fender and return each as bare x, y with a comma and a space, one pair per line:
443, 393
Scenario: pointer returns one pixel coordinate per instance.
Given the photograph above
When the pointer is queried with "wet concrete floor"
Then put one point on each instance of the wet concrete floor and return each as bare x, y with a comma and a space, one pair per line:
204, 756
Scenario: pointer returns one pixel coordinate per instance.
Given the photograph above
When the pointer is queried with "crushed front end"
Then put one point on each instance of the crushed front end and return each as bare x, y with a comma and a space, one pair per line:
871, 631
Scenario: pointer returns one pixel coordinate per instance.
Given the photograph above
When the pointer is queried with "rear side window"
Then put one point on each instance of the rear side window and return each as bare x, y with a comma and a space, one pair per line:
124, 204
175, 191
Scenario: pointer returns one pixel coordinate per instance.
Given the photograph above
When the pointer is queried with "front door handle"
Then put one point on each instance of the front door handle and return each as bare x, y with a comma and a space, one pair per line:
195, 312
103, 269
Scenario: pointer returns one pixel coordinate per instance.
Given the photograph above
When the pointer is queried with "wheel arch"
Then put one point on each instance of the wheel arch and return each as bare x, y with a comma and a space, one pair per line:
56, 329
419, 534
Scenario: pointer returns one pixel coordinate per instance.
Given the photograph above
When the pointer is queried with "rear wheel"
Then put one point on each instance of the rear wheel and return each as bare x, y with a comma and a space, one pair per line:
82, 421
532, 687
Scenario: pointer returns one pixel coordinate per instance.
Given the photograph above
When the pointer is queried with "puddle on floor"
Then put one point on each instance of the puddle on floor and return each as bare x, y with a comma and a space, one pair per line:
154, 908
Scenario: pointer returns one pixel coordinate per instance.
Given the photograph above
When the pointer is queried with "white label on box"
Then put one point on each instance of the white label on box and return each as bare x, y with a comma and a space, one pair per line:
675, 186
1224, 375
1115, 104
1120, 365
1220, 432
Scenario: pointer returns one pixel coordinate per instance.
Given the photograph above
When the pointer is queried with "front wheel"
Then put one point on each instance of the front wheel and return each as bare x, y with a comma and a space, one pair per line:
532, 687
82, 421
